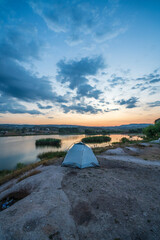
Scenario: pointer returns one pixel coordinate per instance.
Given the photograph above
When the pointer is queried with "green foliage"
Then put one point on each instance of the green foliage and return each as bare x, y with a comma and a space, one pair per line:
124, 140
95, 132
137, 130
97, 139
68, 130
20, 165
48, 155
48, 142
152, 131
4, 172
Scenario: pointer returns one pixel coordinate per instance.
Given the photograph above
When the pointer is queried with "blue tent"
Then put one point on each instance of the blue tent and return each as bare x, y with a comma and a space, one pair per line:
81, 156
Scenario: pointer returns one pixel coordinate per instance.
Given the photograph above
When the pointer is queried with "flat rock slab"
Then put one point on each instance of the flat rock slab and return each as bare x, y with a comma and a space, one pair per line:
116, 151
144, 144
133, 150
131, 159
43, 214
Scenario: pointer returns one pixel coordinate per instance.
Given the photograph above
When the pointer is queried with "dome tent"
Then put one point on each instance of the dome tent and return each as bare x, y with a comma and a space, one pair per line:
81, 156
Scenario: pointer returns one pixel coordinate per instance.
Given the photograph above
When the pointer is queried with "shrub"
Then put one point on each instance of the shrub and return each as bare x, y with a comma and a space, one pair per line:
48, 142
152, 131
48, 155
96, 139
124, 140
20, 165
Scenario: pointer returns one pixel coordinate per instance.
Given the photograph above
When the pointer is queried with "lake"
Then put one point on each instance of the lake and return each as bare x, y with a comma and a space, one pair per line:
22, 148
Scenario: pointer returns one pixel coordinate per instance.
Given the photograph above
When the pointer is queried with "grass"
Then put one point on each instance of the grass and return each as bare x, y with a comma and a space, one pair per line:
4, 173
20, 165
125, 140
49, 155
98, 150
7, 175
96, 139
29, 175
16, 172
48, 142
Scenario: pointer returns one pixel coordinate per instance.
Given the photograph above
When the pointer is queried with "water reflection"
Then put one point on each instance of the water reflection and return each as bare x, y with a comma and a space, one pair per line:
23, 149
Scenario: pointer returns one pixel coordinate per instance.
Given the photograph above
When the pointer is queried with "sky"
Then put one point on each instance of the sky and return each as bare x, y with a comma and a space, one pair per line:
82, 62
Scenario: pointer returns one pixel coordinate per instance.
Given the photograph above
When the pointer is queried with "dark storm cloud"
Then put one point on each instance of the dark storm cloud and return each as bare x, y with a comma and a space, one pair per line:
154, 104
80, 108
80, 18
130, 103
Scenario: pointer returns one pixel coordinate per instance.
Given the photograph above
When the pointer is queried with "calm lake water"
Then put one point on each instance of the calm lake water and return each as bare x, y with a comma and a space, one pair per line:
22, 149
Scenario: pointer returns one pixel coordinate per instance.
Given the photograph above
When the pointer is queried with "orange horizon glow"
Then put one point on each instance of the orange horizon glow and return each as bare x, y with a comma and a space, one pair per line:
89, 121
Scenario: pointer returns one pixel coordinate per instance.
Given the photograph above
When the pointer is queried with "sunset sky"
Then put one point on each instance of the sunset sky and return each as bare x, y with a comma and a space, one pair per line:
85, 62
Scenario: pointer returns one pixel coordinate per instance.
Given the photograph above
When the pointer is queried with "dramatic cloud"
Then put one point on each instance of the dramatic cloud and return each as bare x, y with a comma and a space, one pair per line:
75, 72
154, 104
116, 80
111, 110
80, 19
44, 107
15, 80
130, 103
88, 91
151, 78
19, 46
12, 106
20, 83
81, 108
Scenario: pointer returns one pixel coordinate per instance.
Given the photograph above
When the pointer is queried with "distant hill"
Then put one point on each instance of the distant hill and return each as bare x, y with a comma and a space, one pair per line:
130, 126
121, 127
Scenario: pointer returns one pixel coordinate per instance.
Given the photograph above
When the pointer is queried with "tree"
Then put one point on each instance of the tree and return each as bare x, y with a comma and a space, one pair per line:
152, 131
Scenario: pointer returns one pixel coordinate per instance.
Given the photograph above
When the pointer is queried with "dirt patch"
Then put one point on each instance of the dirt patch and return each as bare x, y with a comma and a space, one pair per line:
119, 200
82, 213
151, 153
12, 198
53, 161
30, 225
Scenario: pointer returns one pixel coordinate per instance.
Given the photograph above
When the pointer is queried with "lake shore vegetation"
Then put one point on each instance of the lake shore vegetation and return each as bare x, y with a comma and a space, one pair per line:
96, 139
48, 142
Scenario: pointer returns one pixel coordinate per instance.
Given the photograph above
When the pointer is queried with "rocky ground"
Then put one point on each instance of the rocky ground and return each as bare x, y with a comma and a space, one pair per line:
118, 201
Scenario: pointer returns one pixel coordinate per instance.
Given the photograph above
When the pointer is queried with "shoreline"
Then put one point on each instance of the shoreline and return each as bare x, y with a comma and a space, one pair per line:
26, 167
119, 133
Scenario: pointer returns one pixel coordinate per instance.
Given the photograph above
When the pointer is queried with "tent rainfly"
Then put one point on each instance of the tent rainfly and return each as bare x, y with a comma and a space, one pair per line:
81, 156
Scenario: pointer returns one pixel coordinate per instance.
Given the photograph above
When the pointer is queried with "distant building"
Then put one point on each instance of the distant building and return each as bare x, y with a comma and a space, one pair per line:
157, 120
